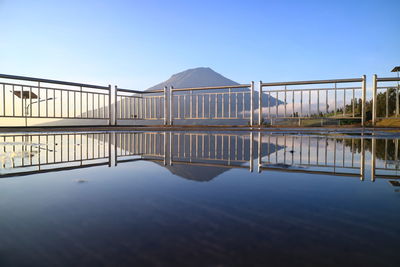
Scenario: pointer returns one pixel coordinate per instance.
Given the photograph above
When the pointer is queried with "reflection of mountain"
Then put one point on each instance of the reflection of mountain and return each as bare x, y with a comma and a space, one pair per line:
195, 173
190, 171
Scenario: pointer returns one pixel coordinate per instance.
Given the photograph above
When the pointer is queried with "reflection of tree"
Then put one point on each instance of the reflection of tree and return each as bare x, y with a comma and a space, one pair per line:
381, 146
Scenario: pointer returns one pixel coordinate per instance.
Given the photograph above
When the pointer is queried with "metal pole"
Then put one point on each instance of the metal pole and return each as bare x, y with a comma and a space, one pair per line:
251, 151
397, 96
116, 105
374, 84
373, 159
109, 104
165, 106
260, 113
171, 103
259, 151
364, 88
251, 103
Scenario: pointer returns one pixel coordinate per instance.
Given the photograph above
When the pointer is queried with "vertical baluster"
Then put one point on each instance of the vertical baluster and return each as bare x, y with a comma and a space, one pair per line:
344, 102
179, 106
326, 102
197, 106
203, 107
292, 103
301, 103
269, 107
216, 106
260, 106
209, 107
229, 102
223, 105
387, 102
30, 101
236, 106
335, 106
184, 106
4, 100
353, 104
309, 103
190, 104
13, 101
285, 99
243, 106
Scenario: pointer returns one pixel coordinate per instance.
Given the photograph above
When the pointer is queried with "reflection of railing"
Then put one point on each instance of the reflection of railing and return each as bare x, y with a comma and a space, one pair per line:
315, 154
387, 104
35, 152
345, 156
307, 99
33, 98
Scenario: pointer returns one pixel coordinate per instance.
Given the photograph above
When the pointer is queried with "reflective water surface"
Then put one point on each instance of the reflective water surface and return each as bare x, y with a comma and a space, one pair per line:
199, 199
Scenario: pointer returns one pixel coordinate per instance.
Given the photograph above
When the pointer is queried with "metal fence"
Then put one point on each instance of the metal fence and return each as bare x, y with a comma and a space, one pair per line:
304, 103
320, 100
140, 105
385, 98
32, 98
207, 103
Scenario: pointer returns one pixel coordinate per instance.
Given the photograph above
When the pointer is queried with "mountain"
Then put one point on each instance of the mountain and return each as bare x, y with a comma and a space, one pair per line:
197, 77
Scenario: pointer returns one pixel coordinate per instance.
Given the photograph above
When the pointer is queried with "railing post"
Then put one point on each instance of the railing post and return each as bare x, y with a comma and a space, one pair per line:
171, 103
115, 105
251, 103
374, 106
165, 106
109, 104
363, 86
260, 112
251, 161
259, 152
362, 160
373, 158
397, 97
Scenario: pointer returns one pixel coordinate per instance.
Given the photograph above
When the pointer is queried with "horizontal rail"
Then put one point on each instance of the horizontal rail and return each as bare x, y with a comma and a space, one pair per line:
350, 80
314, 89
81, 90
139, 92
14, 77
388, 79
210, 87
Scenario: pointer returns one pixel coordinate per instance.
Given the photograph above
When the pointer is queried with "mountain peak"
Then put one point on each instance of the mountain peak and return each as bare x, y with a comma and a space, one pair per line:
196, 77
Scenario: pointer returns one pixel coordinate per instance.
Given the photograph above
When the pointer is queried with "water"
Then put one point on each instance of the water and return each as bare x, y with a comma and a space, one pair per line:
199, 199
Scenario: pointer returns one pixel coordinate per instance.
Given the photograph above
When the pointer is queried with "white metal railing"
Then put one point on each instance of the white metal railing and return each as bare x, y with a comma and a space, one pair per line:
313, 99
139, 105
385, 97
33, 98
317, 101
207, 103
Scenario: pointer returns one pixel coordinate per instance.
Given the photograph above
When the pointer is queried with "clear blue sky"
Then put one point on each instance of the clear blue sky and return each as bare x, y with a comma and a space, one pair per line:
136, 44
